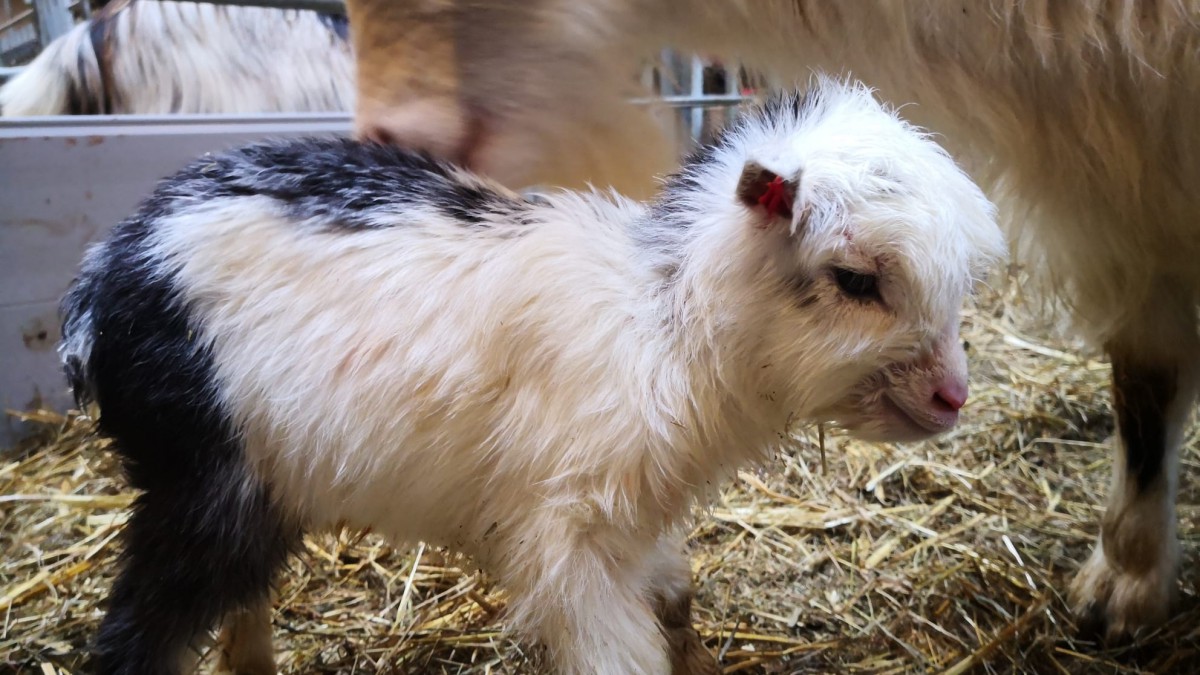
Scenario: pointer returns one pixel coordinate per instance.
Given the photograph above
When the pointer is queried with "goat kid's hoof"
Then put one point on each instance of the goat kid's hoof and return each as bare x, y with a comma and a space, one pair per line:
224, 667
1118, 606
688, 654
245, 669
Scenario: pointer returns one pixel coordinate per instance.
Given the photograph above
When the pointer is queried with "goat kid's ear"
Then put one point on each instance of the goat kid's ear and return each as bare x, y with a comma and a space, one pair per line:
767, 194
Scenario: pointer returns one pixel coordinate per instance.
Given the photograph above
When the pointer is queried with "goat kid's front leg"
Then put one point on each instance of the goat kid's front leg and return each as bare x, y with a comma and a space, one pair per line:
1128, 583
590, 605
671, 579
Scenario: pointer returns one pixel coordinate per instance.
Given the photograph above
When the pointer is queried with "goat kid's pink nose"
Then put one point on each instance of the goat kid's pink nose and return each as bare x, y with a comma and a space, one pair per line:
952, 394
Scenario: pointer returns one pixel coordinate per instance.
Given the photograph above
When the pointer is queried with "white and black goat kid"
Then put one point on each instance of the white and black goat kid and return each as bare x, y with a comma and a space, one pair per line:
296, 335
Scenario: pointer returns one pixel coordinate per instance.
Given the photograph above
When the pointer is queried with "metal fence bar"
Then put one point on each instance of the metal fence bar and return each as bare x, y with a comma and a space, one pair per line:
701, 101
676, 101
327, 6
16, 19
53, 19
696, 114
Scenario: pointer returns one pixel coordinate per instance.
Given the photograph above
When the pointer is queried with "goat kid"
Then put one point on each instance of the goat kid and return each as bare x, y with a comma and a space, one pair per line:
296, 335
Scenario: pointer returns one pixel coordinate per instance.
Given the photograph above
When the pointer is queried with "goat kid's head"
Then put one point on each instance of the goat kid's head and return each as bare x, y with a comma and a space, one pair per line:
852, 240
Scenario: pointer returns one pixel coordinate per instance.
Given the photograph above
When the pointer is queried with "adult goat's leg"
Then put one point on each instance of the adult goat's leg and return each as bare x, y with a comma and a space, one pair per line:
1128, 583
407, 76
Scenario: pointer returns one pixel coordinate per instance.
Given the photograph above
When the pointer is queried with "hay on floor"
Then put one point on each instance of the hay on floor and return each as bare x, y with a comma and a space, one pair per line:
951, 556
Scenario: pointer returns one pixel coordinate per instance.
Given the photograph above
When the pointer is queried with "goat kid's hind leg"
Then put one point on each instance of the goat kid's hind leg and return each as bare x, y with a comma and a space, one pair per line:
244, 645
194, 550
671, 580
1128, 583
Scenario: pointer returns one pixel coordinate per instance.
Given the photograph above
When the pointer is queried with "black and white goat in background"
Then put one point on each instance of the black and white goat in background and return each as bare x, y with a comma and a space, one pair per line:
295, 335
161, 56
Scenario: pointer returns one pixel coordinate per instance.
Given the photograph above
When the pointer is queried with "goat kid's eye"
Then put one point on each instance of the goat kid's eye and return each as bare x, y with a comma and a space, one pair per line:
856, 284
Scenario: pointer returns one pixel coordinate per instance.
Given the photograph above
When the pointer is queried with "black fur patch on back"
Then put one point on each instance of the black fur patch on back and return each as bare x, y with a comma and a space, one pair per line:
339, 181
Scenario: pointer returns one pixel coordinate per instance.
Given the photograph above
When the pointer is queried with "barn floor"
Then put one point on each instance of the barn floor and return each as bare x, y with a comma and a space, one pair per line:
949, 557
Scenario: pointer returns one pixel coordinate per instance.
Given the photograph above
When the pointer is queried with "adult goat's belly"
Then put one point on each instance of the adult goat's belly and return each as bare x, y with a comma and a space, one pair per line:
1081, 123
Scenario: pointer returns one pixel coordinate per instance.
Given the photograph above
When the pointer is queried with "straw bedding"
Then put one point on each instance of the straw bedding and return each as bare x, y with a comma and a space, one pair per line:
951, 556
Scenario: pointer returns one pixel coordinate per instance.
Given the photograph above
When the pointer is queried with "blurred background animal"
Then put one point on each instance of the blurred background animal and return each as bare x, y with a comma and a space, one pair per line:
163, 56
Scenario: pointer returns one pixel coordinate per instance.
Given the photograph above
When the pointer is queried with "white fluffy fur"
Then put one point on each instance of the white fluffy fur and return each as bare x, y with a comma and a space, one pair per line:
43, 87
183, 57
1080, 116
551, 397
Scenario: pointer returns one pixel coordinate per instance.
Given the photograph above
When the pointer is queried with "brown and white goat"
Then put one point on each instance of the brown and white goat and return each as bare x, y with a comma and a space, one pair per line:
163, 56
296, 335
1080, 115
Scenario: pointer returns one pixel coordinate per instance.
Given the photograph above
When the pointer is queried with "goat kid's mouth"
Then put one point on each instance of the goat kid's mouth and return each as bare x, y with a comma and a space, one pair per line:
881, 417
931, 422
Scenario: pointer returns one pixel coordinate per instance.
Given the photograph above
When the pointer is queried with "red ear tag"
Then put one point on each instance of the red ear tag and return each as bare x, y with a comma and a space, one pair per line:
776, 199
